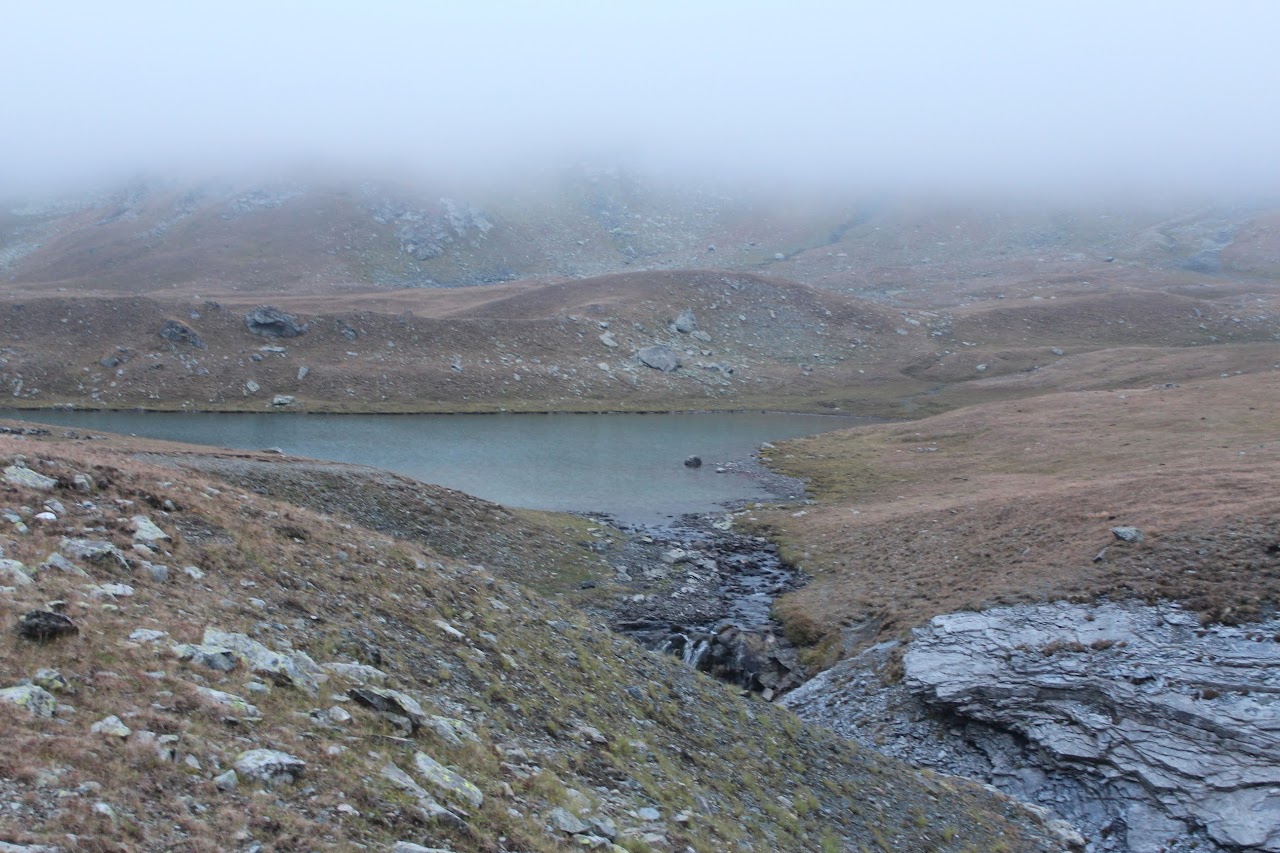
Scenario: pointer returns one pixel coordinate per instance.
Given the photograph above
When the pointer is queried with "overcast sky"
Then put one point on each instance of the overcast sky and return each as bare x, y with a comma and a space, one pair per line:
1036, 92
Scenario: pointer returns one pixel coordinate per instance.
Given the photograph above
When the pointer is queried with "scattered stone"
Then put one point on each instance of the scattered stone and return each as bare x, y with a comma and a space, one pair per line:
271, 322
446, 781
283, 400
410, 847
44, 625
82, 483
357, 673
603, 826
13, 572
451, 731
147, 635
393, 702
269, 766
230, 700
608, 340
51, 680
1127, 534
96, 551
649, 813
659, 357
685, 322
180, 333
111, 591
228, 781
252, 387
22, 476
294, 669
36, 700
62, 564
146, 531
111, 727
567, 822
214, 657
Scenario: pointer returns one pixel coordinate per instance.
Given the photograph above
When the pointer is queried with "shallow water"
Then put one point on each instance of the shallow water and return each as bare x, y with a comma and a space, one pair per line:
629, 466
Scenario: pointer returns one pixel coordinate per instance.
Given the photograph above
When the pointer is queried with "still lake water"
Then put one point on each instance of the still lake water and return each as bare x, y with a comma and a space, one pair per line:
629, 466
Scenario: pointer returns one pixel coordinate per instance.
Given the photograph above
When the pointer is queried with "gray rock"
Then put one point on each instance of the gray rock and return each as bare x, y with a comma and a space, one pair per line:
295, 669
146, 531
51, 680
410, 847
228, 781
13, 573
111, 591
567, 822
62, 564
603, 826
252, 387
685, 322
147, 635
271, 322
214, 657
111, 727
693, 462
608, 340
270, 766
35, 700
1127, 534
356, 673
659, 357
23, 477
1160, 722
447, 782
95, 551
231, 702
648, 813
6, 847
180, 333
451, 731
386, 701
283, 400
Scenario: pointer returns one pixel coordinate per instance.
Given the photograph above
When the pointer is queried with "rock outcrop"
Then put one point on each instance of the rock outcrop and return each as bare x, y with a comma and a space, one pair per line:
271, 322
1177, 726
659, 357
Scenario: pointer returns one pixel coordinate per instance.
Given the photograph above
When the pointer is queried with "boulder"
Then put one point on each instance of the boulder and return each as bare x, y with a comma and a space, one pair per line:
44, 625
179, 333
293, 669
659, 357
567, 822
269, 766
96, 551
693, 462
24, 477
13, 573
111, 727
35, 700
146, 531
447, 782
1128, 534
685, 322
393, 702
271, 322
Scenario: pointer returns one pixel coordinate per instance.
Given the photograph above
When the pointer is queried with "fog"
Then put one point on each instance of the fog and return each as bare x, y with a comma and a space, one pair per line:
914, 95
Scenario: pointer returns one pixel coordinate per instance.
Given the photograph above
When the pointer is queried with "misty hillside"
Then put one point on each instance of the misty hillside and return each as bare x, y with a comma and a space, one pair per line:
224, 237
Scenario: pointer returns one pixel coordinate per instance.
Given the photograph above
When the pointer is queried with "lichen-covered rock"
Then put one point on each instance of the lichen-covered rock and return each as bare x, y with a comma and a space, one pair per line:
13, 573
270, 766
24, 477
111, 726
230, 701
44, 625
60, 563
451, 731
35, 700
447, 782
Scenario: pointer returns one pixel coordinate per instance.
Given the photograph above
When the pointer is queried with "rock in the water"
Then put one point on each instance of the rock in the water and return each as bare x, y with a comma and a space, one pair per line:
179, 333
36, 700
1160, 722
1127, 534
270, 766
659, 357
271, 322
44, 625
21, 475
446, 781
693, 462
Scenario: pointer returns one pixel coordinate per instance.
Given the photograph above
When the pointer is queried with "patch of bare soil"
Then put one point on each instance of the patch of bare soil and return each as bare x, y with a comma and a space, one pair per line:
1011, 502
